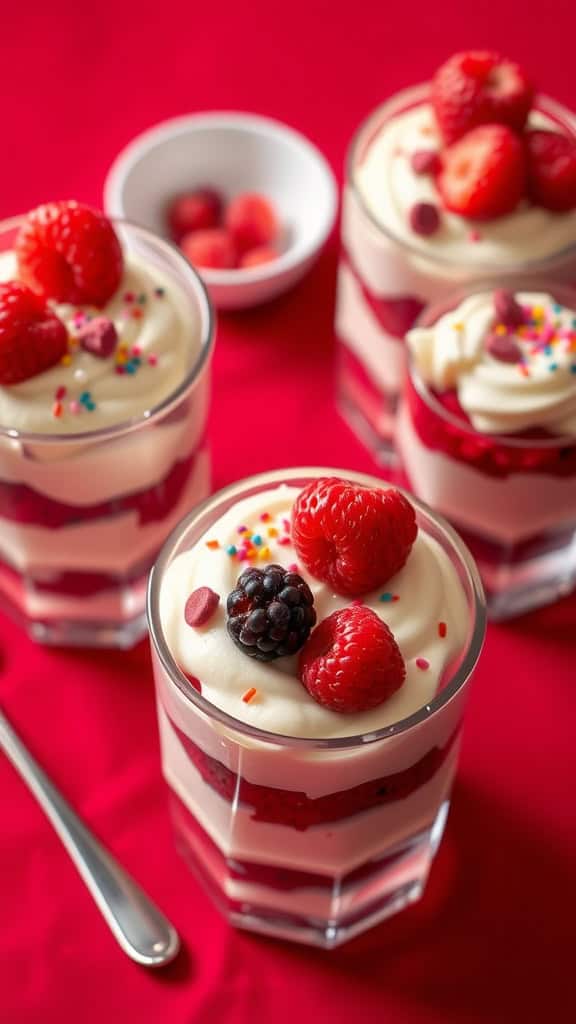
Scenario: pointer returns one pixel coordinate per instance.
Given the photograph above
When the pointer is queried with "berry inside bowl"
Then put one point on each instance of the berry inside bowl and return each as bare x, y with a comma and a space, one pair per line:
232, 154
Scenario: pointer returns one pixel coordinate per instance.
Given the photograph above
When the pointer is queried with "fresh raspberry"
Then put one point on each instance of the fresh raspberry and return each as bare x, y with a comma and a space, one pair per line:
352, 661
258, 256
480, 87
551, 169
194, 211
270, 612
251, 220
424, 219
69, 252
32, 338
483, 174
210, 248
353, 538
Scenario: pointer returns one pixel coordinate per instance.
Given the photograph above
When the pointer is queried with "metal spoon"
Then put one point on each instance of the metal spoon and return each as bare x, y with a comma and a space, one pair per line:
136, 922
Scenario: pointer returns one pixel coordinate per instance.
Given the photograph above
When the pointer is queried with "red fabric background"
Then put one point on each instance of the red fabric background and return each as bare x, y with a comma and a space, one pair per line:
493, 938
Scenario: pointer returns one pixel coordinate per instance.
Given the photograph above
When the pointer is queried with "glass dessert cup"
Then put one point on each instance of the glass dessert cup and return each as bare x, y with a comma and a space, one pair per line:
512, 498
385, 281
83, 515
314, 840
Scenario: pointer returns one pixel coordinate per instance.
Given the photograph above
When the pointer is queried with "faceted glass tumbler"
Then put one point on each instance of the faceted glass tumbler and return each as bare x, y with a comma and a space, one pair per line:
309, 839
84, 515
512, 500
384, 282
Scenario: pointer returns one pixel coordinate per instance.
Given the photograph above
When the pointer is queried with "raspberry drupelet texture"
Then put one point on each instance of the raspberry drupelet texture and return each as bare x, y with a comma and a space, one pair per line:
270, 612
32, 338
351, 661
70, 253
353, 538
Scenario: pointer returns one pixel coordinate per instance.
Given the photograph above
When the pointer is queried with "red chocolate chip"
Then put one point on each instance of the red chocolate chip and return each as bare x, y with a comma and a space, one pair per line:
503, 348
200, 606
507, 310
99, 337
425, 161
424, 219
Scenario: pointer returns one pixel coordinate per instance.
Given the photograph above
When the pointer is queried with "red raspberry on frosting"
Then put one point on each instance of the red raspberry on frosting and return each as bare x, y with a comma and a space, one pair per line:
70, 253
480, 87
32, 338
351, 662
353, 538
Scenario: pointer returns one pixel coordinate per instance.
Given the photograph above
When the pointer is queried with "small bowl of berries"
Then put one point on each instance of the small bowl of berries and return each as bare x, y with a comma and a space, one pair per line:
249, 200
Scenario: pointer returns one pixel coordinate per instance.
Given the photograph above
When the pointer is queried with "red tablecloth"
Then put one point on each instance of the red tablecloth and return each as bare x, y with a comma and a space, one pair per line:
493, 939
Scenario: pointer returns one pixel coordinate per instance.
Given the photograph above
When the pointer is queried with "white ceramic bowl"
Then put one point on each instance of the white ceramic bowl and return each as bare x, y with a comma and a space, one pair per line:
233, 153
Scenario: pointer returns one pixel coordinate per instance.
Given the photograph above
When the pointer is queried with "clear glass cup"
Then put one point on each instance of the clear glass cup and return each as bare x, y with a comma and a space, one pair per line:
305, 839
384, 283
512, 499
83, 515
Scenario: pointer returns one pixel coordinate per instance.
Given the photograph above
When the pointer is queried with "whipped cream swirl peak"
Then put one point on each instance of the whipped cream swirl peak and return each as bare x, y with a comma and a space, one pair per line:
509, 377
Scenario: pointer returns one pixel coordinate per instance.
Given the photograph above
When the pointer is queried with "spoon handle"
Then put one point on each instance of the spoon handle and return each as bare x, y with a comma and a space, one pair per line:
141, 929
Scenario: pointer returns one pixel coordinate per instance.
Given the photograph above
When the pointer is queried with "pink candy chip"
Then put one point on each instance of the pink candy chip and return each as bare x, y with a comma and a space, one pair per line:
424, 219
507, 309
503, 348
200, 606
99, 337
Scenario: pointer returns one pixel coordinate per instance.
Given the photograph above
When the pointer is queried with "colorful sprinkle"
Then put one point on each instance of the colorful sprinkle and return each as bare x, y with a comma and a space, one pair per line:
264, 553
458, 325
256, 539
129, 296
284, 541
152, 359
265, 517
501, 330
231, 549
136, 313
552, 367
386, 597
119, 368
272, 531
293, 567
524, 370
136, 350
57, 409
249, 695
60, 393
213, 544
422, 663
142, 298
474, 235
66, 359
242, 529
442, 629
159, 292
74, 407
286, 525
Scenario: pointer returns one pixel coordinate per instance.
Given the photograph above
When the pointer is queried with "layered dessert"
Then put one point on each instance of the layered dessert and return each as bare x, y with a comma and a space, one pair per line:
315, 632
487, 435
467, 178
104, 346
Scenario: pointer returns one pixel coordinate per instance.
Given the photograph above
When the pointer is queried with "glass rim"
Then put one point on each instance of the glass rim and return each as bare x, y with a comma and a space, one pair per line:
413, 96
430, 315
207, 340
277, 477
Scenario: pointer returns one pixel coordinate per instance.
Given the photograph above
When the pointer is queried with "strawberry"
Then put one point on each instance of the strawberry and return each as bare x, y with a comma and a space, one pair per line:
32, 338
551, 169
256, 257
480, 87
483, 174
70, 253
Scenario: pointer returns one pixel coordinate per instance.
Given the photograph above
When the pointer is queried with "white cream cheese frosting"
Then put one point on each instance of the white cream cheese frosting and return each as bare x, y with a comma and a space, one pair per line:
538, 391
390, 187
427, 591
157, 325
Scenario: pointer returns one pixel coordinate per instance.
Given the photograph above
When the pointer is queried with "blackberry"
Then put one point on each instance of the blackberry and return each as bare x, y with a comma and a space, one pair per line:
270, 612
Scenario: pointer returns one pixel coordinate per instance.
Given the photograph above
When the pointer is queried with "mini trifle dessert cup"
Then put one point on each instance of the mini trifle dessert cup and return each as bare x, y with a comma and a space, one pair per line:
464, 179
106, 336
487, 435
313, 636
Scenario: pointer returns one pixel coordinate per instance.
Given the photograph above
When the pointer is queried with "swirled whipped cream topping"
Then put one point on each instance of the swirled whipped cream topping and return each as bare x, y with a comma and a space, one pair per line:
159, 338
390, 188
508, 377
424, 605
